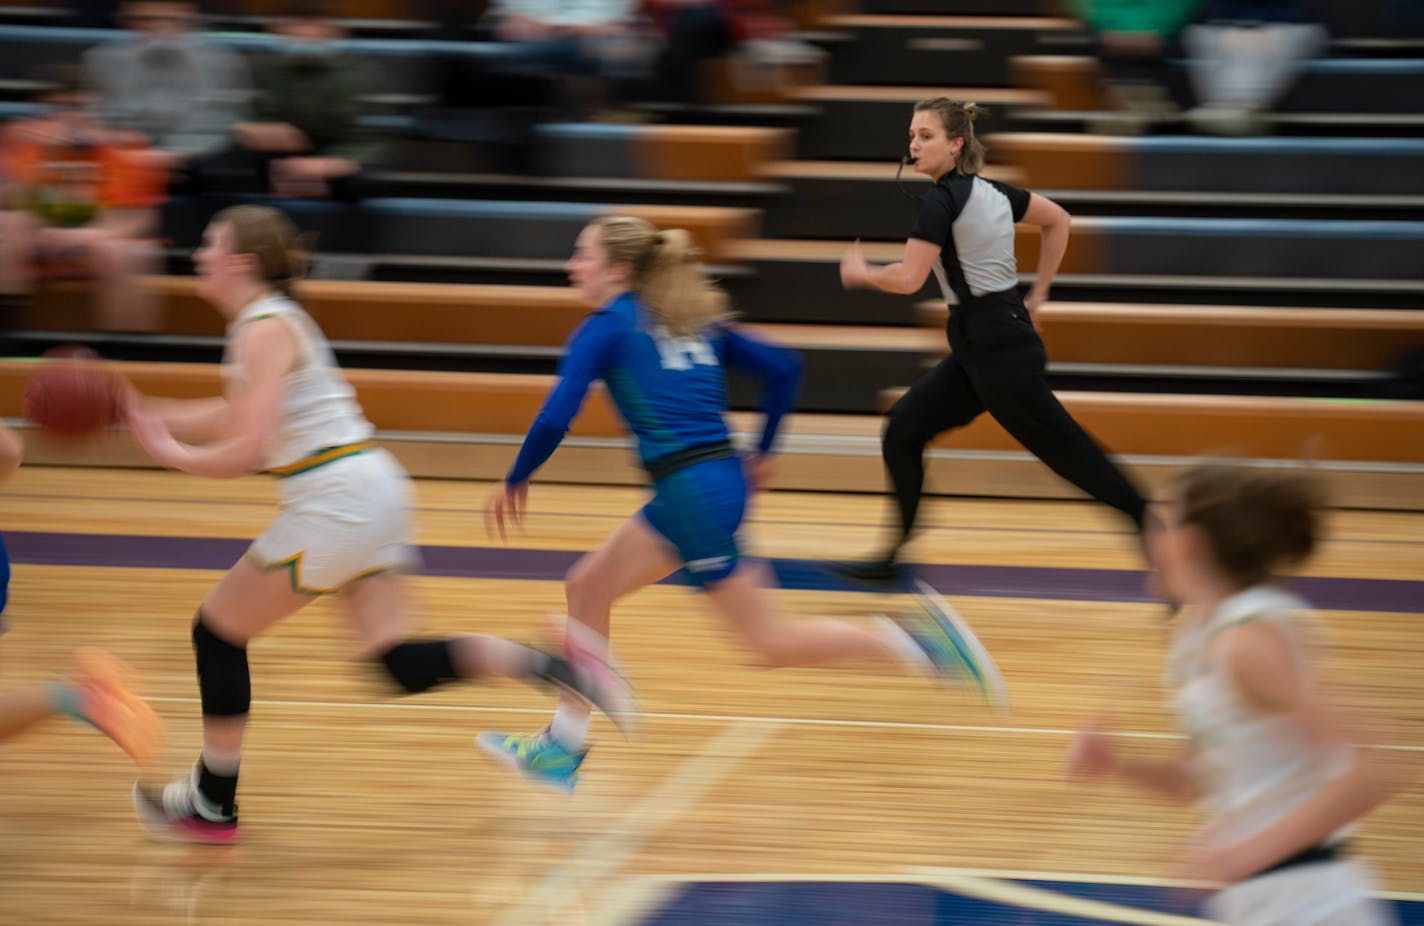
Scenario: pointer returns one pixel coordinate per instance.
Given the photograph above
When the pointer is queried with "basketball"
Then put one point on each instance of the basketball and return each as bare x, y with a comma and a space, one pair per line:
70, 393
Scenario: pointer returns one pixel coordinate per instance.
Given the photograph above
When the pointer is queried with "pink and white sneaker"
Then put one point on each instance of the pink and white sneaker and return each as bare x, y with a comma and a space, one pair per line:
178, 812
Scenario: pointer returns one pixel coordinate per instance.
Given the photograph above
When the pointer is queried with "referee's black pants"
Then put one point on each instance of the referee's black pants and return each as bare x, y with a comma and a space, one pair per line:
997, 365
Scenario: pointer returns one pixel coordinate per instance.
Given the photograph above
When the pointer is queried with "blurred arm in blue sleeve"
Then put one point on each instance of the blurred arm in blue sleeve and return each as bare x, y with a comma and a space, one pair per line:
778, 368
588, 355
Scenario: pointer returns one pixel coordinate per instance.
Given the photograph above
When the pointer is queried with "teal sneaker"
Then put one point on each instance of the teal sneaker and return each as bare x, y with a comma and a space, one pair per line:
952, 648
538, 756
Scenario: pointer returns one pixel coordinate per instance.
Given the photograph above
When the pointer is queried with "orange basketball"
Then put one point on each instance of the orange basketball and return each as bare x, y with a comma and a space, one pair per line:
70, 393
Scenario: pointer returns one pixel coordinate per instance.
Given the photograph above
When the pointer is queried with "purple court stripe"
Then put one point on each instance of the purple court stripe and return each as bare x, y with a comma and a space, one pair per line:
137, 551
949, 526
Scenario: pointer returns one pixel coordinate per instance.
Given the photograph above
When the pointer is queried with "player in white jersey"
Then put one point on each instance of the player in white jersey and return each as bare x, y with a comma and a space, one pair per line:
1278, 768
344, 525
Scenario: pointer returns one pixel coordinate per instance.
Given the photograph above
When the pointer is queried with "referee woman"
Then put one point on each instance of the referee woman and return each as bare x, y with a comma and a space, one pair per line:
965, 234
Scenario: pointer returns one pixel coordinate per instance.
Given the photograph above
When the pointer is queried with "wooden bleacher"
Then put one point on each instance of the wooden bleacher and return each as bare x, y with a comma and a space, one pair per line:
543, 316
1247, 249
1073, 82
701, 153
1325, 89
359, 311
1256, 427
1211, 335
1314, 170
505, 404
465, 424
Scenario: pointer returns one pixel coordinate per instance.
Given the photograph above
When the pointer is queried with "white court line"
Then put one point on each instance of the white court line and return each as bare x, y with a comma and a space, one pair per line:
917, 874
633, 901
1075, 878
676, 794
736, 718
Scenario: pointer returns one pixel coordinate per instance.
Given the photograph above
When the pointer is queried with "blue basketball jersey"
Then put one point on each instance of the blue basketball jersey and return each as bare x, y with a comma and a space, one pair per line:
670, 391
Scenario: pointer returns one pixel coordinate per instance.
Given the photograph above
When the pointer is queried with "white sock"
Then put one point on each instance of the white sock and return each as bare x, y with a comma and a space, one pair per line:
904, 645
569, 727
221, 763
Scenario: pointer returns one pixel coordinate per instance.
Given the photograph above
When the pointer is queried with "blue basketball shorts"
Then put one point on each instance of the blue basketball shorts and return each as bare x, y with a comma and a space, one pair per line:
698, 511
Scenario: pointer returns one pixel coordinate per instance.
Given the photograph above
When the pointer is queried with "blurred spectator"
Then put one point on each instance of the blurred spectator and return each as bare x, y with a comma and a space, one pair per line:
93, 14
82, 201
1244, 56
589, 42
1135, 39
695, 32
307, 139
181, 93
584, 22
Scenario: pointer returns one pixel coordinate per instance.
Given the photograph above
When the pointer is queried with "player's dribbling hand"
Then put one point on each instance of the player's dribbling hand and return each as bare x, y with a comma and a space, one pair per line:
505, 501
153, 436
1091, 754
130, 400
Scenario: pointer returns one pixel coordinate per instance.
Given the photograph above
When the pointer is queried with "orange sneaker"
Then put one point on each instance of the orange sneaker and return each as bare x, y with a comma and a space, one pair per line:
107, 701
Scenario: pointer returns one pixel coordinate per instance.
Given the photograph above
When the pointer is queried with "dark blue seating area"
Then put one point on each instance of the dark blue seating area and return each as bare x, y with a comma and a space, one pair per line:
1391, 85
573, 149
1259, 247
1275, 165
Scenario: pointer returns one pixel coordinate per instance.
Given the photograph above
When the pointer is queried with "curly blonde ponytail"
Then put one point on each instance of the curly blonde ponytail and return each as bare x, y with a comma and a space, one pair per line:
667, 273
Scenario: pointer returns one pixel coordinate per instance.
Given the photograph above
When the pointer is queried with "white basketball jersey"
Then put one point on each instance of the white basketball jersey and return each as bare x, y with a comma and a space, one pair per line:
319, 408
1255, 768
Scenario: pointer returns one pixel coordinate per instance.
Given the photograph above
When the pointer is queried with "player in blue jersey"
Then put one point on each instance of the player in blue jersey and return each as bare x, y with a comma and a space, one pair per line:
660, 340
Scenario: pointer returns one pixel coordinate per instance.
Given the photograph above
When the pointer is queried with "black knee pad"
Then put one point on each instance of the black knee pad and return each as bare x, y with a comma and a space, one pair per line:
223, 681
420, 665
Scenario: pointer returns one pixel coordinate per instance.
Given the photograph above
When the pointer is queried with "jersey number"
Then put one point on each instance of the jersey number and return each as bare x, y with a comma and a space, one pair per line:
684, 352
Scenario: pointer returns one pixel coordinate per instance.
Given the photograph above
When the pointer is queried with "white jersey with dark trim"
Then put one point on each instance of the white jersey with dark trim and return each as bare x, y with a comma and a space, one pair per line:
1255, 767
319, 408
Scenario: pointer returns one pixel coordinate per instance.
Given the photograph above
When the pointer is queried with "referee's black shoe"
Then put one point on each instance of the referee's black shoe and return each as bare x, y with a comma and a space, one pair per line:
881, 575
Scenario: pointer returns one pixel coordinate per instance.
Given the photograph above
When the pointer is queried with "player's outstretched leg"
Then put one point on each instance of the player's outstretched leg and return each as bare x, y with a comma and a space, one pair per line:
953, 650
100, 693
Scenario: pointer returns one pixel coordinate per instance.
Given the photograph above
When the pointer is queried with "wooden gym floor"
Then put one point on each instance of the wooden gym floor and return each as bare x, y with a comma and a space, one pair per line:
753, 796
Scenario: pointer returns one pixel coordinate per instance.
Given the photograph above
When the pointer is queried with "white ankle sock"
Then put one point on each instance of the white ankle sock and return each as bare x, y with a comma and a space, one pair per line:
904, 645
221, 763
569, 729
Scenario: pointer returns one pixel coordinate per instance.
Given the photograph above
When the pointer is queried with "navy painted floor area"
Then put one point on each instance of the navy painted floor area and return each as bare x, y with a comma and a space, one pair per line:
839, 903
